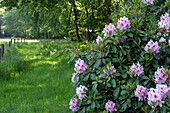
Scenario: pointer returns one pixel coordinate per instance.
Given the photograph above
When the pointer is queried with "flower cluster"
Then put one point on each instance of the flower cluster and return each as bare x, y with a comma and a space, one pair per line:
73, 78
136, 70
81, 92
141, 92
162, 40
153, 47
161, 76
99, 38
164, 22
154, 98
148, 2
80, 66
111, 71
110, 106
164, 90
123, 23
73, 104
109, 30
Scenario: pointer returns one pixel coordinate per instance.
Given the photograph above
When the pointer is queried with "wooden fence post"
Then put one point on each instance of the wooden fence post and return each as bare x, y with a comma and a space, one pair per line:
2, 50
9, 43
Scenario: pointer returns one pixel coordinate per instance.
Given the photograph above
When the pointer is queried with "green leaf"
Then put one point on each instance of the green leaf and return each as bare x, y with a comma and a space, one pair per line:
79, 102
93, 105
116, 91
124, 107
72, 58
117, 74
104, 61
94, 87
86, 78
124, 75
145, 82
129, 81
144, 77
108, 84
109, 41
123, 92
97, 63
113, 82
89, 101
93, 76
114, 48
130, 34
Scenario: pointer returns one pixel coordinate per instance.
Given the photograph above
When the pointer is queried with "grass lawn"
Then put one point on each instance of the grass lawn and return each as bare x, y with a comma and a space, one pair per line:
45, 88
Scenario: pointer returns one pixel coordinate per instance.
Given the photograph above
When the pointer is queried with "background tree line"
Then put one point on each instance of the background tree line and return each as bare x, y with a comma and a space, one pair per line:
74, 19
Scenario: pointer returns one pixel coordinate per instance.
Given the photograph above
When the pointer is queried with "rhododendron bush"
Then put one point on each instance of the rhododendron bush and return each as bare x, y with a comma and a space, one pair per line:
128, 67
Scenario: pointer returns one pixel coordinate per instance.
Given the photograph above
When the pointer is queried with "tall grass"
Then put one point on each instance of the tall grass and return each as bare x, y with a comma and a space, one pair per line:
46, 87
11, 64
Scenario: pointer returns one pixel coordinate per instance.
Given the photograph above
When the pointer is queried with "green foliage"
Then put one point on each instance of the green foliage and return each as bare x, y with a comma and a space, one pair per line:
46, 87
129, 50
12, 64
55, 48
56, 19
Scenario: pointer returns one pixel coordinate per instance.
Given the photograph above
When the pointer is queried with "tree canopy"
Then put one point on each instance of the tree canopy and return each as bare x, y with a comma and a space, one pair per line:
73, 19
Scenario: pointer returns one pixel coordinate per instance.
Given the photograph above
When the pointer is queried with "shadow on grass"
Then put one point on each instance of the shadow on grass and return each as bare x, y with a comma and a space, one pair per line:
46, 87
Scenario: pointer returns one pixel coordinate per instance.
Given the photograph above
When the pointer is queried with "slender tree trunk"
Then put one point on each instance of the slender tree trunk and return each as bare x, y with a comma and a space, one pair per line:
76, 20
92, 38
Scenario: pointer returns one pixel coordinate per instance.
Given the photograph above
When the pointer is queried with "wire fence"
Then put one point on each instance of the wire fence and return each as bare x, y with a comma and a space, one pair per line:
12, 42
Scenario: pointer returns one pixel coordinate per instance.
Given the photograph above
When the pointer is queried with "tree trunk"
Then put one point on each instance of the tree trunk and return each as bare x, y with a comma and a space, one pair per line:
76, 20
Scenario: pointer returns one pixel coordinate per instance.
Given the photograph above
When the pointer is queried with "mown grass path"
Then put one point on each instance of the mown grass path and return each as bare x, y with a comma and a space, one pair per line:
45, 88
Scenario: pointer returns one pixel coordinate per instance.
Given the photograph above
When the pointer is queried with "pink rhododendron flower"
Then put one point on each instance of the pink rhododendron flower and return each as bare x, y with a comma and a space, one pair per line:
81, 92
154, 98
91, 58
141, 92
111, 71
73, 104
123, 23
73, 78
80, 66
162, 39
116, 42
110, 106
109, 30
153, 47
169, 42
99, 39
163, 35
163, 90
136, 70
164, 22
148, 2
160, 76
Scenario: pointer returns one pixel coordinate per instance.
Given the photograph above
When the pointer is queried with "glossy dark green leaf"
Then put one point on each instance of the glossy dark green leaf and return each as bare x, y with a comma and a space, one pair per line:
116, 91
113, 82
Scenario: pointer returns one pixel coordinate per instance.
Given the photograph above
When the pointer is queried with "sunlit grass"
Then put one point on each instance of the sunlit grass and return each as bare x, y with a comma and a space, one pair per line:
45, 88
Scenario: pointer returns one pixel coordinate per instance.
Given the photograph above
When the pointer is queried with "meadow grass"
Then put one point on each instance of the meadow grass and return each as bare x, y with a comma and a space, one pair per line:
45, 88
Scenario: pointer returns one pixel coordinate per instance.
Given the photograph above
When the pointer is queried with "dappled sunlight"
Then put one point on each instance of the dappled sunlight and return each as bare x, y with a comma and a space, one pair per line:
46, 85
46, 62
18, 86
